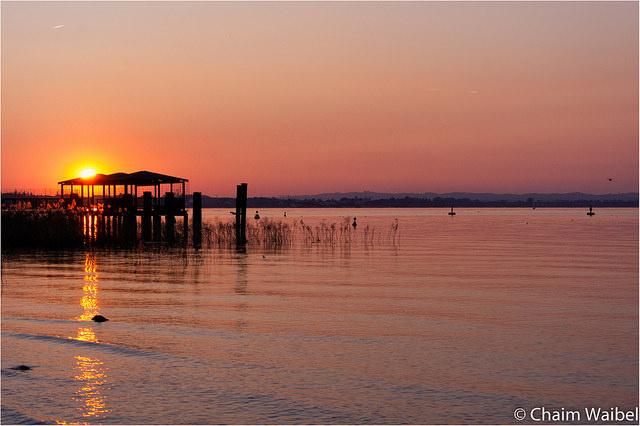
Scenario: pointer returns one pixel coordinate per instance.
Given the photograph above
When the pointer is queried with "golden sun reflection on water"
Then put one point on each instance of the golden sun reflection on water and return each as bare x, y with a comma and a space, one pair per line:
89, 300
92, 373
90, 223
86, 334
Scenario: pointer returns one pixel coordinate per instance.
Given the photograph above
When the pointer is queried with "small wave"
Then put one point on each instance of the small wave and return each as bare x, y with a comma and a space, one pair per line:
108, 347
47, 320
13, 417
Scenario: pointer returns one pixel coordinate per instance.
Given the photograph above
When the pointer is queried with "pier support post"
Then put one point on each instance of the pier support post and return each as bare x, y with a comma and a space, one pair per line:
185, 228
241, 214
197, 219
132, 219
101, 228
157, 223
108, 232
146, 216
116, 227
170, 219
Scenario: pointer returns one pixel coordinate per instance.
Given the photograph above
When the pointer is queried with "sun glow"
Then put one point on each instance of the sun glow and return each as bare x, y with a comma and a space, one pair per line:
87, 173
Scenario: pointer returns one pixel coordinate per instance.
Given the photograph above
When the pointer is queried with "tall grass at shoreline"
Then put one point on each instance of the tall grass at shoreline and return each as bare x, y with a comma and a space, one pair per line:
279, 233
266, 233
53, 229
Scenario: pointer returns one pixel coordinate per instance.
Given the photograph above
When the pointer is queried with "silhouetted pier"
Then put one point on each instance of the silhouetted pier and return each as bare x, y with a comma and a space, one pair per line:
116, 208
110, 205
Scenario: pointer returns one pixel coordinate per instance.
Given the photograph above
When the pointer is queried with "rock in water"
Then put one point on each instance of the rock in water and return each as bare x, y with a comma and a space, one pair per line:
99, 318
21, 367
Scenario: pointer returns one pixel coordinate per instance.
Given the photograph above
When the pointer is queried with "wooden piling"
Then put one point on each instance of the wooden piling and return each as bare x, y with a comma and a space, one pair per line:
169, 218
117, 227
146, 216
185, 227
131, 224
101, 228
241, 214
157, 227
197, 218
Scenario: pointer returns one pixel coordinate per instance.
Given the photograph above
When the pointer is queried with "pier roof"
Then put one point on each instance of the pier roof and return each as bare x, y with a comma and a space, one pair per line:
141, 178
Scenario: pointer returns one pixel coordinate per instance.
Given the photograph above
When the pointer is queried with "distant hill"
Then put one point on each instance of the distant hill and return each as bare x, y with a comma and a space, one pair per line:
426, 200
480, 196
421, 200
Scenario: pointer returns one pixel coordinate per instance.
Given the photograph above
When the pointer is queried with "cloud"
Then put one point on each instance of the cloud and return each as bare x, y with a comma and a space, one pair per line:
57, 27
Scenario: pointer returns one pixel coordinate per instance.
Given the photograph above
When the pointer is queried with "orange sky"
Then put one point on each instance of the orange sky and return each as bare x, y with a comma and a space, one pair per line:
298, 98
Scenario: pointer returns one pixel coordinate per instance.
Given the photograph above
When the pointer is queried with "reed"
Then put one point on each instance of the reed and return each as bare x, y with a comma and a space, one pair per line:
50, 228
279, 233
267, 233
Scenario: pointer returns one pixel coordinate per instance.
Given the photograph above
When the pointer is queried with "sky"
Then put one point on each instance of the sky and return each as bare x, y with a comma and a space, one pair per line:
302, 98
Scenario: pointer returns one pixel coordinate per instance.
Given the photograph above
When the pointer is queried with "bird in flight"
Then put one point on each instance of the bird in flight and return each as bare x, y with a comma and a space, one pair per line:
610, 179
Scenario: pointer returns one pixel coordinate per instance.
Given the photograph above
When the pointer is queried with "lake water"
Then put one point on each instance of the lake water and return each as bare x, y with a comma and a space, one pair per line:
446, 320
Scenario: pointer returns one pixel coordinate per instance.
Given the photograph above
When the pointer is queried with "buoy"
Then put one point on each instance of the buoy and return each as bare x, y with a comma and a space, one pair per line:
257, 216
354, 224
451, 213
99, 318
285, 214
590, 212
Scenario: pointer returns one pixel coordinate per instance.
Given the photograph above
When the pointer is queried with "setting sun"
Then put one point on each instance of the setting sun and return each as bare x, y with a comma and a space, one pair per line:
87, 173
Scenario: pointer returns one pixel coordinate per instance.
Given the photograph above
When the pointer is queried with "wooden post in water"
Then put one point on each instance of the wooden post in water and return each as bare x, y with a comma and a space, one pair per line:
125, 218
182, 204
185, 227
131, 226
146, 216
241, 214
169, 218
101, 228
157, 222
118, 236
197, 218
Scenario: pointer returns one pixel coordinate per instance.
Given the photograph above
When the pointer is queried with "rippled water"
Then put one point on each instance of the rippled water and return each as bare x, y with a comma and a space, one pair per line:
455, 320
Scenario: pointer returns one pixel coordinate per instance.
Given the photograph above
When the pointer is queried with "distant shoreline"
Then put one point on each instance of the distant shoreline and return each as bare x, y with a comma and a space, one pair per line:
373, 200
461, 207
264, 202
